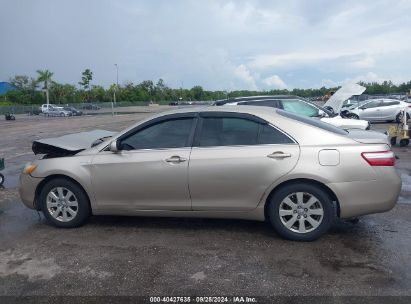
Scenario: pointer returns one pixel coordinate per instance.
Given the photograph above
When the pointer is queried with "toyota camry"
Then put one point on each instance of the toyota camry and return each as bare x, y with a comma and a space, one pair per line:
240, 162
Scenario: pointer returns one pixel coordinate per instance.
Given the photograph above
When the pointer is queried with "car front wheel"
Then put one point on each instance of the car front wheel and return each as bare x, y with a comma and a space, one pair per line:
64, 203
353, 116
301, 212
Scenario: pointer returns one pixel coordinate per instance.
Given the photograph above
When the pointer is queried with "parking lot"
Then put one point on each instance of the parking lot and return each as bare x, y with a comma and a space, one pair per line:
172, 256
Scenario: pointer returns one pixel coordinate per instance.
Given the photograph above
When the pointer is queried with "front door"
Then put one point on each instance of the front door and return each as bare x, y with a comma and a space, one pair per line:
371, 110
235, 159
150, 172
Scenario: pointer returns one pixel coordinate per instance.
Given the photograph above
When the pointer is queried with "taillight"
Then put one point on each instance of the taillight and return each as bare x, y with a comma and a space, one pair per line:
382, 158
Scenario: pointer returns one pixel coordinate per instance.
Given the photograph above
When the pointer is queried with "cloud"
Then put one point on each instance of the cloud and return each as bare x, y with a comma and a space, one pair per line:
275, 82
241, 72
219, 44
368, 77
363, 63
298, 59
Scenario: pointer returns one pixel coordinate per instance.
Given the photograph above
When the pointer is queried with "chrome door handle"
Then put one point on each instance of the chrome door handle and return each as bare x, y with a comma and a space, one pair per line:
279, 155
175, 159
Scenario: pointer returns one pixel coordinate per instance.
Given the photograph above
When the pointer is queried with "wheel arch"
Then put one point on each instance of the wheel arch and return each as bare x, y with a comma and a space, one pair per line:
54, 176
306, 181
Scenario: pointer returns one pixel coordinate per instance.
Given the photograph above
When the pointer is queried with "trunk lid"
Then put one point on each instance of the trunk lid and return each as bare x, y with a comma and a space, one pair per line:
368, 137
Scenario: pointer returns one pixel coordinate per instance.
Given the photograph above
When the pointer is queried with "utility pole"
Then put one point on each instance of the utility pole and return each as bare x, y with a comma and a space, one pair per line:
181, 91
116, 87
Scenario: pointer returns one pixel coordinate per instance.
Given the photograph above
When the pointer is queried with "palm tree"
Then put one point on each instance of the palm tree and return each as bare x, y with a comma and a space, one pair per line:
45, 76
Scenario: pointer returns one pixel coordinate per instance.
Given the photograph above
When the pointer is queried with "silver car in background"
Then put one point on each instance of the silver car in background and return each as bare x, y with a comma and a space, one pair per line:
302, 107
253, 163
379, 110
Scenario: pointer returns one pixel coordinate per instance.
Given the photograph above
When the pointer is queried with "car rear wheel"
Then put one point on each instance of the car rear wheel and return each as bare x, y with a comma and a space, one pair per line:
64, 203
404, 142
399, 116
301, 212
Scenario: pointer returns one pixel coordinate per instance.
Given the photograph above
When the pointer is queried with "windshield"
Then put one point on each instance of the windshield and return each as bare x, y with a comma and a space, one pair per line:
300, 107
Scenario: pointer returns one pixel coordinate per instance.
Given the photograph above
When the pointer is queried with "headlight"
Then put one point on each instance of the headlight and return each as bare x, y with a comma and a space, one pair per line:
29, 168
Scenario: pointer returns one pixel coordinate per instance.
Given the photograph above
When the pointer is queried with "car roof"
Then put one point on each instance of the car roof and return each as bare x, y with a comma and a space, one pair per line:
255, 98
263, 97
254, 110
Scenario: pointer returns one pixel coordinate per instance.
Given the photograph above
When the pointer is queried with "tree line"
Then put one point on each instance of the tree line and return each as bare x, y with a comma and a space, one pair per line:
31, 90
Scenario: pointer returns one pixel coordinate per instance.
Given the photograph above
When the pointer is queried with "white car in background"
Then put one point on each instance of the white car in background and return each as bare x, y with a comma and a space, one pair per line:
379, 110
303, 107
52, 110
49, 107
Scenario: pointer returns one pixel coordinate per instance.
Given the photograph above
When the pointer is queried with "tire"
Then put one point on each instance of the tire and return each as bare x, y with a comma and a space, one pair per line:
353, 116
321, 202
393, 141
63, 217
398, 117
62, 115
404, 142
1, 179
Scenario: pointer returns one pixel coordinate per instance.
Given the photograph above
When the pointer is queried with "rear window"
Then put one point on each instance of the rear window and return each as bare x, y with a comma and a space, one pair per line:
313, 122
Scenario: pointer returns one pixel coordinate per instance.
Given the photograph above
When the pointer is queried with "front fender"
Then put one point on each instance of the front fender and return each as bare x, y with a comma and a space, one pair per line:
74, 167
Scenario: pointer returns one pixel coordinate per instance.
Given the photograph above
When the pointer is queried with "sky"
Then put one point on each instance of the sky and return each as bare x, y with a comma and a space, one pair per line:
218, 44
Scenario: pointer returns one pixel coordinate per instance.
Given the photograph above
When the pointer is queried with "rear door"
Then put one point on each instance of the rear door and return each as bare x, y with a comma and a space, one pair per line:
234, 159
389, 109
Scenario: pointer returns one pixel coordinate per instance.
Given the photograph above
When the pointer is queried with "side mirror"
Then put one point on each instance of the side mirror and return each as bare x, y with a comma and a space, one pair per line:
362, 108
114, 146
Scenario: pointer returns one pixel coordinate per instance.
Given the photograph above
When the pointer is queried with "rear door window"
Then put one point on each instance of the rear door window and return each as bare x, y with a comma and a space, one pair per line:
228, 131
232, 131
387, 103
270, 135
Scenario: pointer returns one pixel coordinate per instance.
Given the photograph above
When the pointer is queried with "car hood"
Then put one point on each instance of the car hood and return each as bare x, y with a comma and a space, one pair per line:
346, 123
70, 144
335, 102
368, 137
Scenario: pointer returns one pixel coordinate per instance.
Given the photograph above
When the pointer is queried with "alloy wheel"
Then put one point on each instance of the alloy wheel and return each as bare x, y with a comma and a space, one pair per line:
62, 204
301, 212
